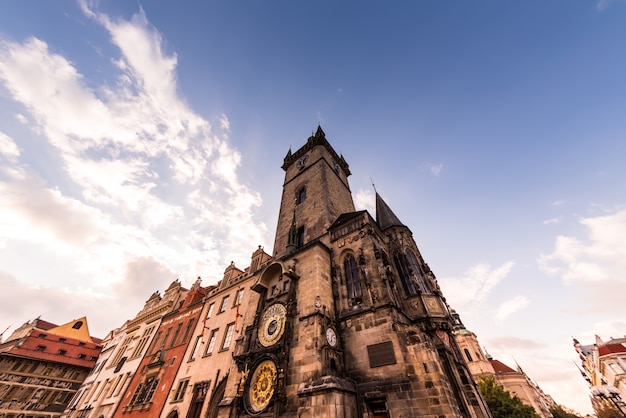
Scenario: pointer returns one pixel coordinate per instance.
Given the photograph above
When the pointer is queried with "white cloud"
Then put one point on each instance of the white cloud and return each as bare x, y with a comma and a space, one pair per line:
603, 4
365, 199
597, 257
465, 294
140, 175
511, 306
434, 169
551, 221
8, 148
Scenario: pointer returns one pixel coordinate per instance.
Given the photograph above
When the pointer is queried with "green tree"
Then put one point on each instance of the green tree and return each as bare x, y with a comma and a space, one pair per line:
501, 403
559, 412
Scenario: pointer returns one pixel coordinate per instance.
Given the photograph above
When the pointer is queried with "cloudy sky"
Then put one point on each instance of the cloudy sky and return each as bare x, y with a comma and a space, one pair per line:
141, 142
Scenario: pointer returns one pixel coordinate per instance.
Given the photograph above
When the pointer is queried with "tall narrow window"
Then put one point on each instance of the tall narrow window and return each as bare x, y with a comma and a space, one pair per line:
211, 345
301, 195
142, 342
210, 311
405, 276
188, 330
416, 272
224, 304
355, 293
300, 237
228, 337
467, 354
195, 348
238, 298
180, 390
175, 337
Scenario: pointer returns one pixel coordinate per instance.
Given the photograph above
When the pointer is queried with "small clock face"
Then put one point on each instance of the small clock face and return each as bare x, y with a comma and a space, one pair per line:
272, 324
261, 386
331, 337
302, 161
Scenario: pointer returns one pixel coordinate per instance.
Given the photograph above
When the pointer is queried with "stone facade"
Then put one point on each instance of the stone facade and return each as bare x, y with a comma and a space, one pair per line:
363, 330
123, 350
343, 319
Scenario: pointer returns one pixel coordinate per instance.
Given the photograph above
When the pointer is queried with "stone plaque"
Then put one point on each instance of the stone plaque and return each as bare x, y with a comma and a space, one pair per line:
381, 354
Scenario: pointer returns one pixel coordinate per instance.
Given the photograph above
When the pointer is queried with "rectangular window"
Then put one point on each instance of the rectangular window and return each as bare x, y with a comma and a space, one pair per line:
300, 237
117, 382
144, 391
120, 387
195, 348
155, 342
121, 351
175, 337
228, 336
300, 195
208, 314
224, 304
238, 298
142, 342
211, 345
188, 330
180, 390
167, 334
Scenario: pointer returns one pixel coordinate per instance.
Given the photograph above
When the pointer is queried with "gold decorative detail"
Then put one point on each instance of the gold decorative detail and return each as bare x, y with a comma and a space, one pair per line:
262, 386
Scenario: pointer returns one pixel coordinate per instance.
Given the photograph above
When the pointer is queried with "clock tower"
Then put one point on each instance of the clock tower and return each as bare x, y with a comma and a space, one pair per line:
315, 193
348, 319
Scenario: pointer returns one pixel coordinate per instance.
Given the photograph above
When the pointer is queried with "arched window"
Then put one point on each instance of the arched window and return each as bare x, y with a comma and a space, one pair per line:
405, 275
416, 271
467, 354
77, 324
355, 293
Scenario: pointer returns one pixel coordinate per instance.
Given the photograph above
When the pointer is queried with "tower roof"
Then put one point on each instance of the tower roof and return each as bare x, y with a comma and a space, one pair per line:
384, 215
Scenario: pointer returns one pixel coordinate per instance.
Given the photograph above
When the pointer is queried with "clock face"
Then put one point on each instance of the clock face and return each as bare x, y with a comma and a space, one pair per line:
261, 386
302, 161
331, 337
272, 324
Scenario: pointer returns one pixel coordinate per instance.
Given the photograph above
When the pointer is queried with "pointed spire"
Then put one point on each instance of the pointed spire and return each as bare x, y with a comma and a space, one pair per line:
320, 133
293, 235
384, 215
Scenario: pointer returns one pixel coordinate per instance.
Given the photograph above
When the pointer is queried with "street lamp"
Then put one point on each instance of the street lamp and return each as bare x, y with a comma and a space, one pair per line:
611, 393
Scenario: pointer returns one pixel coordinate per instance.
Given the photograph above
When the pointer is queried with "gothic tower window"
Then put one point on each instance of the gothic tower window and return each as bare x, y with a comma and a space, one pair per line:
405, 275
417, 272
300, 195
300, 237
355, 293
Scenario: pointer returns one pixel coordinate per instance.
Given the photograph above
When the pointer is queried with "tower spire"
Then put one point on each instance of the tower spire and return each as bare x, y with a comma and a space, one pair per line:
384, 215
292, 241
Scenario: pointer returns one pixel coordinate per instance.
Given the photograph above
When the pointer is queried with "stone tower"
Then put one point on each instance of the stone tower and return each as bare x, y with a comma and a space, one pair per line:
349, 320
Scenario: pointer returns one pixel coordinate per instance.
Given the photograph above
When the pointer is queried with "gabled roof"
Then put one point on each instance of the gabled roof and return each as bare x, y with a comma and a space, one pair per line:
500, 367
345, 217
385, 217
76, 329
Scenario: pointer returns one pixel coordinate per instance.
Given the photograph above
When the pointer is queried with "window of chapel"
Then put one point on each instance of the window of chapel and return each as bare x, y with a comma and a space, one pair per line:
353, 282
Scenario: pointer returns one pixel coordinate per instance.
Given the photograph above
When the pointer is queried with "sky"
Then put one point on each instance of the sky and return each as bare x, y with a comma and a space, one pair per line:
141, 142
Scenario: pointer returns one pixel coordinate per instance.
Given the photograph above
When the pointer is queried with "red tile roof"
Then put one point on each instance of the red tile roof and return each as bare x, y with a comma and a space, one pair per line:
604, 350
500, 367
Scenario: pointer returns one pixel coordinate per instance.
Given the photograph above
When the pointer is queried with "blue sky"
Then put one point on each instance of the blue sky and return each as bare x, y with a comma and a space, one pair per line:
142, 141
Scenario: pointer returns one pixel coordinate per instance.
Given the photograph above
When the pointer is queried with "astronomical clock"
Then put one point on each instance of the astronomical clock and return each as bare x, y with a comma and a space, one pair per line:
266, 344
